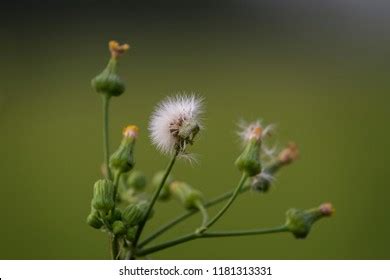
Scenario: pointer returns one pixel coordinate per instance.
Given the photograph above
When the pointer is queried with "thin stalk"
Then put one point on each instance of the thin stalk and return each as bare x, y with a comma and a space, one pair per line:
229, 203
273, 168
169, 225
203, 211
106, 145
114, 238
114, 247
106, 154
192, 236
154, 198
186, 215
116, 183
223, 197
167, 244
244, 232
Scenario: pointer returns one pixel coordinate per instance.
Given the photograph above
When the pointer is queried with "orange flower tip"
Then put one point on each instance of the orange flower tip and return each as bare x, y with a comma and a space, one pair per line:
131, 131
117, 49
256, 133
327, 209
289, 154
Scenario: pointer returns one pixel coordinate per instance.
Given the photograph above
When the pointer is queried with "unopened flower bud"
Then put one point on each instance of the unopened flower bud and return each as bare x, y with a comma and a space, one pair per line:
130, 234
183, 192
116, 215
249, 161
134, 213
135, 180
122, 160
156, 180
288, 154
94, 221
299, 222
103, 196
118, 228
108, 82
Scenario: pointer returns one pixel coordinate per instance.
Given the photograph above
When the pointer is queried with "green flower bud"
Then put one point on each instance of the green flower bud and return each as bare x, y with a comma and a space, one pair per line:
131, 215
130, 234
156, 180
134, 213
135, 180
108, 82
183, 192
122, 160
94, 221
118, 228
299, 222
116, 215
249, 160
103, 196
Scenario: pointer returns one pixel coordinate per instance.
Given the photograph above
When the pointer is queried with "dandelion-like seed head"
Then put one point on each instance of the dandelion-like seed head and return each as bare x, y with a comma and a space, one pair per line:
175, 123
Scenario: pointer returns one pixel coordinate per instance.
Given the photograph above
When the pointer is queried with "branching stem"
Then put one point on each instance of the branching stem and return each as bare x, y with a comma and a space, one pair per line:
229, 203
192, 236
188, 214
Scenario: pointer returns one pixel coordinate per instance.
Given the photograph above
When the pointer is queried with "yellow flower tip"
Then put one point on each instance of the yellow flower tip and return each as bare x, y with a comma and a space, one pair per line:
327, 209
116, 49
289, 154
131, 131
174, 185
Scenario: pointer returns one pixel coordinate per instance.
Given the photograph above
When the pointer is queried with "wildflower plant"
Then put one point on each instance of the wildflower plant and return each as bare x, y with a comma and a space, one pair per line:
121, 205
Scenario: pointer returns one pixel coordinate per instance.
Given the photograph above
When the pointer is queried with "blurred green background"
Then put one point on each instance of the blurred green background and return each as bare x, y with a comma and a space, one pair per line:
319, 71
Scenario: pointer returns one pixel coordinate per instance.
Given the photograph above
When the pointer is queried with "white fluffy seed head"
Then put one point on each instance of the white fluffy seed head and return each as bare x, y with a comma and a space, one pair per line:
174, 117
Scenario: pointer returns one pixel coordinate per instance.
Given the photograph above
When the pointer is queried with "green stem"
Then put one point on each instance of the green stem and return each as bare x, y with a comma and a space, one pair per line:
116, 184
114, 238
186, 215
272, 169
106, 153
114, 247
192, 236
169, 225
106, 149
244, 232
229, 203
203, 211
154, 198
